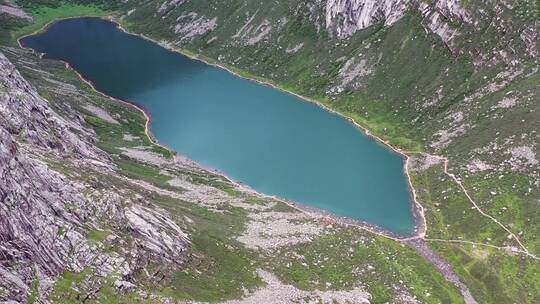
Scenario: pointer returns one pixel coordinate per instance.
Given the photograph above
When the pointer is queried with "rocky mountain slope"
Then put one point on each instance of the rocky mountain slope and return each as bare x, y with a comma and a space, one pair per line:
47, 217
453, 84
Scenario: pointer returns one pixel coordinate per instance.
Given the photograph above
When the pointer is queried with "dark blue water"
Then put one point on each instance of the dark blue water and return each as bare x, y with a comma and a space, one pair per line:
267, 139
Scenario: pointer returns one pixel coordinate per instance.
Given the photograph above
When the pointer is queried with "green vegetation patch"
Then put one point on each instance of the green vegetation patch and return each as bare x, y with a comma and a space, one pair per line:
348, 257
494, 276
43, 14
97, 235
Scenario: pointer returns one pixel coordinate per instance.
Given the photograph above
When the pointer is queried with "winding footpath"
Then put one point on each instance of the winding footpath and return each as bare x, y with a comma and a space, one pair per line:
523, 249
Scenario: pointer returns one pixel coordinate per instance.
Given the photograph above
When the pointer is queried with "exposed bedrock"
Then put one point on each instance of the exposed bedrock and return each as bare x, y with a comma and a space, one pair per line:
46, 217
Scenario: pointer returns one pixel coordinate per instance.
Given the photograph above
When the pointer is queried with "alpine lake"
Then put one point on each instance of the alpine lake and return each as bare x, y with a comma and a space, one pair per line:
270, 140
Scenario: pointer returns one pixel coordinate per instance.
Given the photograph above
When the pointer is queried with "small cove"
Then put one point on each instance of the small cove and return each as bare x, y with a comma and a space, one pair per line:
267, 139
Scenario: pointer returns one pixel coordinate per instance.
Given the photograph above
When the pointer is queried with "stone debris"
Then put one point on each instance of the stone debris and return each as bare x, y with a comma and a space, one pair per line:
445, 136
129, 137
514, 153
14, 11
477, 165
353, 69
500, 81
260, 32
522, 157
405, 298
433, 100
277, 292
250, 34
146, 156
506, 102
529, 36
268, 230
253, 206
169, 5
191, 26
424, 161
64, 88
207, 196
101, 113
245, 28
456, 117
294, 49
124, 285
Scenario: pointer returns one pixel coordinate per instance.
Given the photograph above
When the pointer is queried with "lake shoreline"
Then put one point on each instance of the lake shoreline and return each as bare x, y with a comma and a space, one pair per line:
416, 208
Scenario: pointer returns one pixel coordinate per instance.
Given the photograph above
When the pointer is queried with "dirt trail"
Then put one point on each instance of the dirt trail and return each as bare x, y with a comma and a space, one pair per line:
523, 250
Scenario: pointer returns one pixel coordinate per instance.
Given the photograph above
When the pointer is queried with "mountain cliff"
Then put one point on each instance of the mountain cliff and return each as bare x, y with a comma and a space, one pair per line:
47, 217
346, 17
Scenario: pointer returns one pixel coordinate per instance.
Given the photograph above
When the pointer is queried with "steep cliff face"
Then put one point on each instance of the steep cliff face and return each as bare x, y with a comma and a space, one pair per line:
345, 17
46, 219
448, 19
28, 116
439, 17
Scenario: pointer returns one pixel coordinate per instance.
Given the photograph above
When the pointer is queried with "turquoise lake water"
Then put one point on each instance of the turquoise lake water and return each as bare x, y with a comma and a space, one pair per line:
265, 138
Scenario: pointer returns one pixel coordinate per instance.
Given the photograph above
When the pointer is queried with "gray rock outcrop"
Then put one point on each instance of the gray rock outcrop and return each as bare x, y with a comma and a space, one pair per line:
46, 218
345, 17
